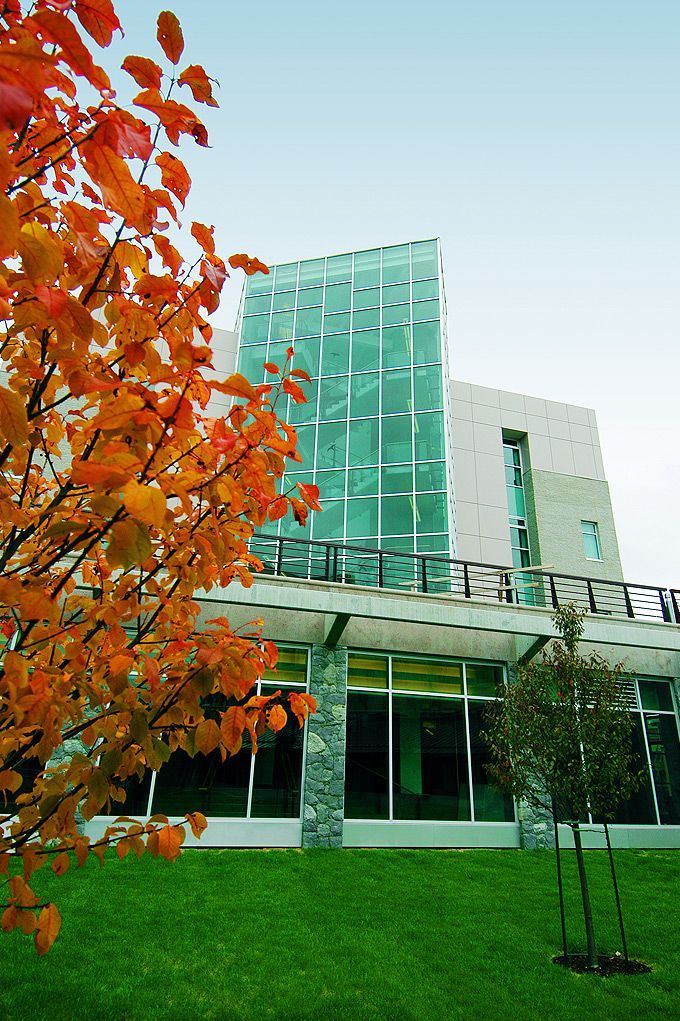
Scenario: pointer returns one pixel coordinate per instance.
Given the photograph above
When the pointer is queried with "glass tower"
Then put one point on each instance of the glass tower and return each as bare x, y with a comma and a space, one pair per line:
370, 329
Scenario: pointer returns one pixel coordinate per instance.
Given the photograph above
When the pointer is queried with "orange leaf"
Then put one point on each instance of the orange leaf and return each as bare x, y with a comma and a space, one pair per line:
9, 225
61, 864
310, 494
170, 36
207, 736
277, 508
99, 19
145, 72
204, 236
9, 918
41, 251
232, 726
16, 104
118, 187
13, 418
129, 544
296, 392
274, 369
58, 29
52, 298
195, 77
49, 923
170, 840
237, 386
301, 374
248, 265
10, 780
174, 175
277, 718
198, 823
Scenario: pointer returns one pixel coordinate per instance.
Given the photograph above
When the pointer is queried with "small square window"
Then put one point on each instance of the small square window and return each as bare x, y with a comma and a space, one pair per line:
591, 540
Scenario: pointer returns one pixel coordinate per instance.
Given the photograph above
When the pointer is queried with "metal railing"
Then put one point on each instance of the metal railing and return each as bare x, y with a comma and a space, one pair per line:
461, 579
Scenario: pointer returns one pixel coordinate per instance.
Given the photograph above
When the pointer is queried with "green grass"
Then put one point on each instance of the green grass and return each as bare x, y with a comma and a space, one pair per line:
368, 934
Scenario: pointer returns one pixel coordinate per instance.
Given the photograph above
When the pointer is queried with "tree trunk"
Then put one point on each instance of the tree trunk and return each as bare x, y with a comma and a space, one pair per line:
585, 897
616, 892
560, 887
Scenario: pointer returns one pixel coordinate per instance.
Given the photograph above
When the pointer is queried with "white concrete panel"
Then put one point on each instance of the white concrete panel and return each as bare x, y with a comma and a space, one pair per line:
535, 406
493, 522
540, 453
592, 417
584, 460
511, 402
465, 475
514, 420
556, 410
488, 439
467, 517
599, 464
490, 472
562, 456
486, 414
559, 429
581, 433
462, 409
461, 432
579, 416
469, 547
537, 424
484, 395
460, 391
496, 551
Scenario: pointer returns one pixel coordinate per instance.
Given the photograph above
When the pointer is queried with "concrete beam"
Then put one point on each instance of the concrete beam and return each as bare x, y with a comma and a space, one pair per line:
336, 629
530, 649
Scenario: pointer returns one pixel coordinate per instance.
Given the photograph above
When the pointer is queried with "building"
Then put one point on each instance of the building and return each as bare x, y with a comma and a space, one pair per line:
455, 518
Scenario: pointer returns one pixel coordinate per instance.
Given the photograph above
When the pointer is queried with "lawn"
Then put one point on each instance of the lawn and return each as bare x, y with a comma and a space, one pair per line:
355, 934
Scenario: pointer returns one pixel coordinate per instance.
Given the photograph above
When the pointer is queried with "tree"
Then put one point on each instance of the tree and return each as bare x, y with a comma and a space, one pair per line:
120, 498
561, 740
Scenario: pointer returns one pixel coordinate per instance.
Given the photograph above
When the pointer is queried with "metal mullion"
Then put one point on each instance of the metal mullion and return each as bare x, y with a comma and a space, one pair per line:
152, 789
303, 779
251, 777
469, 746
649, 755
390, 762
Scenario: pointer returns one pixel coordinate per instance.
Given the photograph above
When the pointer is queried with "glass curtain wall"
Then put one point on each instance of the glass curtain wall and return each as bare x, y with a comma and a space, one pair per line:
367, 327
267, 785
414, 744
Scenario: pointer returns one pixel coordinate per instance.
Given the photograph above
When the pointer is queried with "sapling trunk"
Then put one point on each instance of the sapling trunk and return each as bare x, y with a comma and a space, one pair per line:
585, 897
616, 892
560, 887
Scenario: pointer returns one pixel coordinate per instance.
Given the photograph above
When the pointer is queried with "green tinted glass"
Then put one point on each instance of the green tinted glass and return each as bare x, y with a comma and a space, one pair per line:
364, 442
307, 356
251, 362
254, 329
438, 545
308, 322
311, 272
431, 513
284, 300
285, 278
427, 388
365, 350
516, 505
262, 303
396, 346
426, 343
330, 524
282, 326
277, 356
367, 269
397, 515
337, 323
362, 482
331, 483
338, 297
396, 391
425, 261
429, 433
333, 398
401, 544
395, 294
395, 265
395, 315
366, 318
430, 476
425, 289
366, 671
305, 412
296, 559
312, 296
335, 358
363, 390
305, 448
338, 268
362, 517
361, 299
397, 439
427, 675
332, 446
260, 283
655, 695
425, 310
482, 679
397, 479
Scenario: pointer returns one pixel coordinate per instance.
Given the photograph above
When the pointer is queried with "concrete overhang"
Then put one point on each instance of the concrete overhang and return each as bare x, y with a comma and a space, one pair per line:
433, 623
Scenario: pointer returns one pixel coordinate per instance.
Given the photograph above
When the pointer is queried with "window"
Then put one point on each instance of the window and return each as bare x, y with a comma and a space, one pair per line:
414, 740
519, 532
591, 540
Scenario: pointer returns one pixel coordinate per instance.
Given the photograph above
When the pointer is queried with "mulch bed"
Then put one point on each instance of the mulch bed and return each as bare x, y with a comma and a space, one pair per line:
607, 966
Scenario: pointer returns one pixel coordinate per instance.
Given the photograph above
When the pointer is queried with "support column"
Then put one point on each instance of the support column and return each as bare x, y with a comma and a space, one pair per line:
324, 781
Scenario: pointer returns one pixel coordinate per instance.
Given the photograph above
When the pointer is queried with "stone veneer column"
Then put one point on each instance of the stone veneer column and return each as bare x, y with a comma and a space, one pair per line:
536, 829
324, 780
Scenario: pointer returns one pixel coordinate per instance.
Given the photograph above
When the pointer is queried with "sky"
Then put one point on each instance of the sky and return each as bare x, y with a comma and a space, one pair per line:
539, 140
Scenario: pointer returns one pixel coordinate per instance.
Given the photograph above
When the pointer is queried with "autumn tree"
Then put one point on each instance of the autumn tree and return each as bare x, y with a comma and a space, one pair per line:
120, 497
561, 740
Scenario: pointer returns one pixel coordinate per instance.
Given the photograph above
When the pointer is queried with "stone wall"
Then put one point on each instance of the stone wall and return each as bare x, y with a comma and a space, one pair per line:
324, 787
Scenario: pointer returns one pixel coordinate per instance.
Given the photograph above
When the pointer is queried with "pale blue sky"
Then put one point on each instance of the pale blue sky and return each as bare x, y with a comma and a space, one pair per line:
539, 139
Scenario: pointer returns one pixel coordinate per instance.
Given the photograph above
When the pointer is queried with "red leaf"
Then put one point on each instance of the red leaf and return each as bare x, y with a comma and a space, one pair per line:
310, 494
195, 77
274, 369
174, 175
58, 29
170, 36
277, 508
16, 105
145, 72
99, 19
52, 298
301, 374
295, 391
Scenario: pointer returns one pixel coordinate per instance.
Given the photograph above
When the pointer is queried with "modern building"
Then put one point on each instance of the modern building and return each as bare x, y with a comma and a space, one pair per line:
456, 517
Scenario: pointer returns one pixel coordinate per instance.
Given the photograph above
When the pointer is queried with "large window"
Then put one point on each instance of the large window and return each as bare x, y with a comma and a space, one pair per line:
414, 740
267, 785
519, 532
